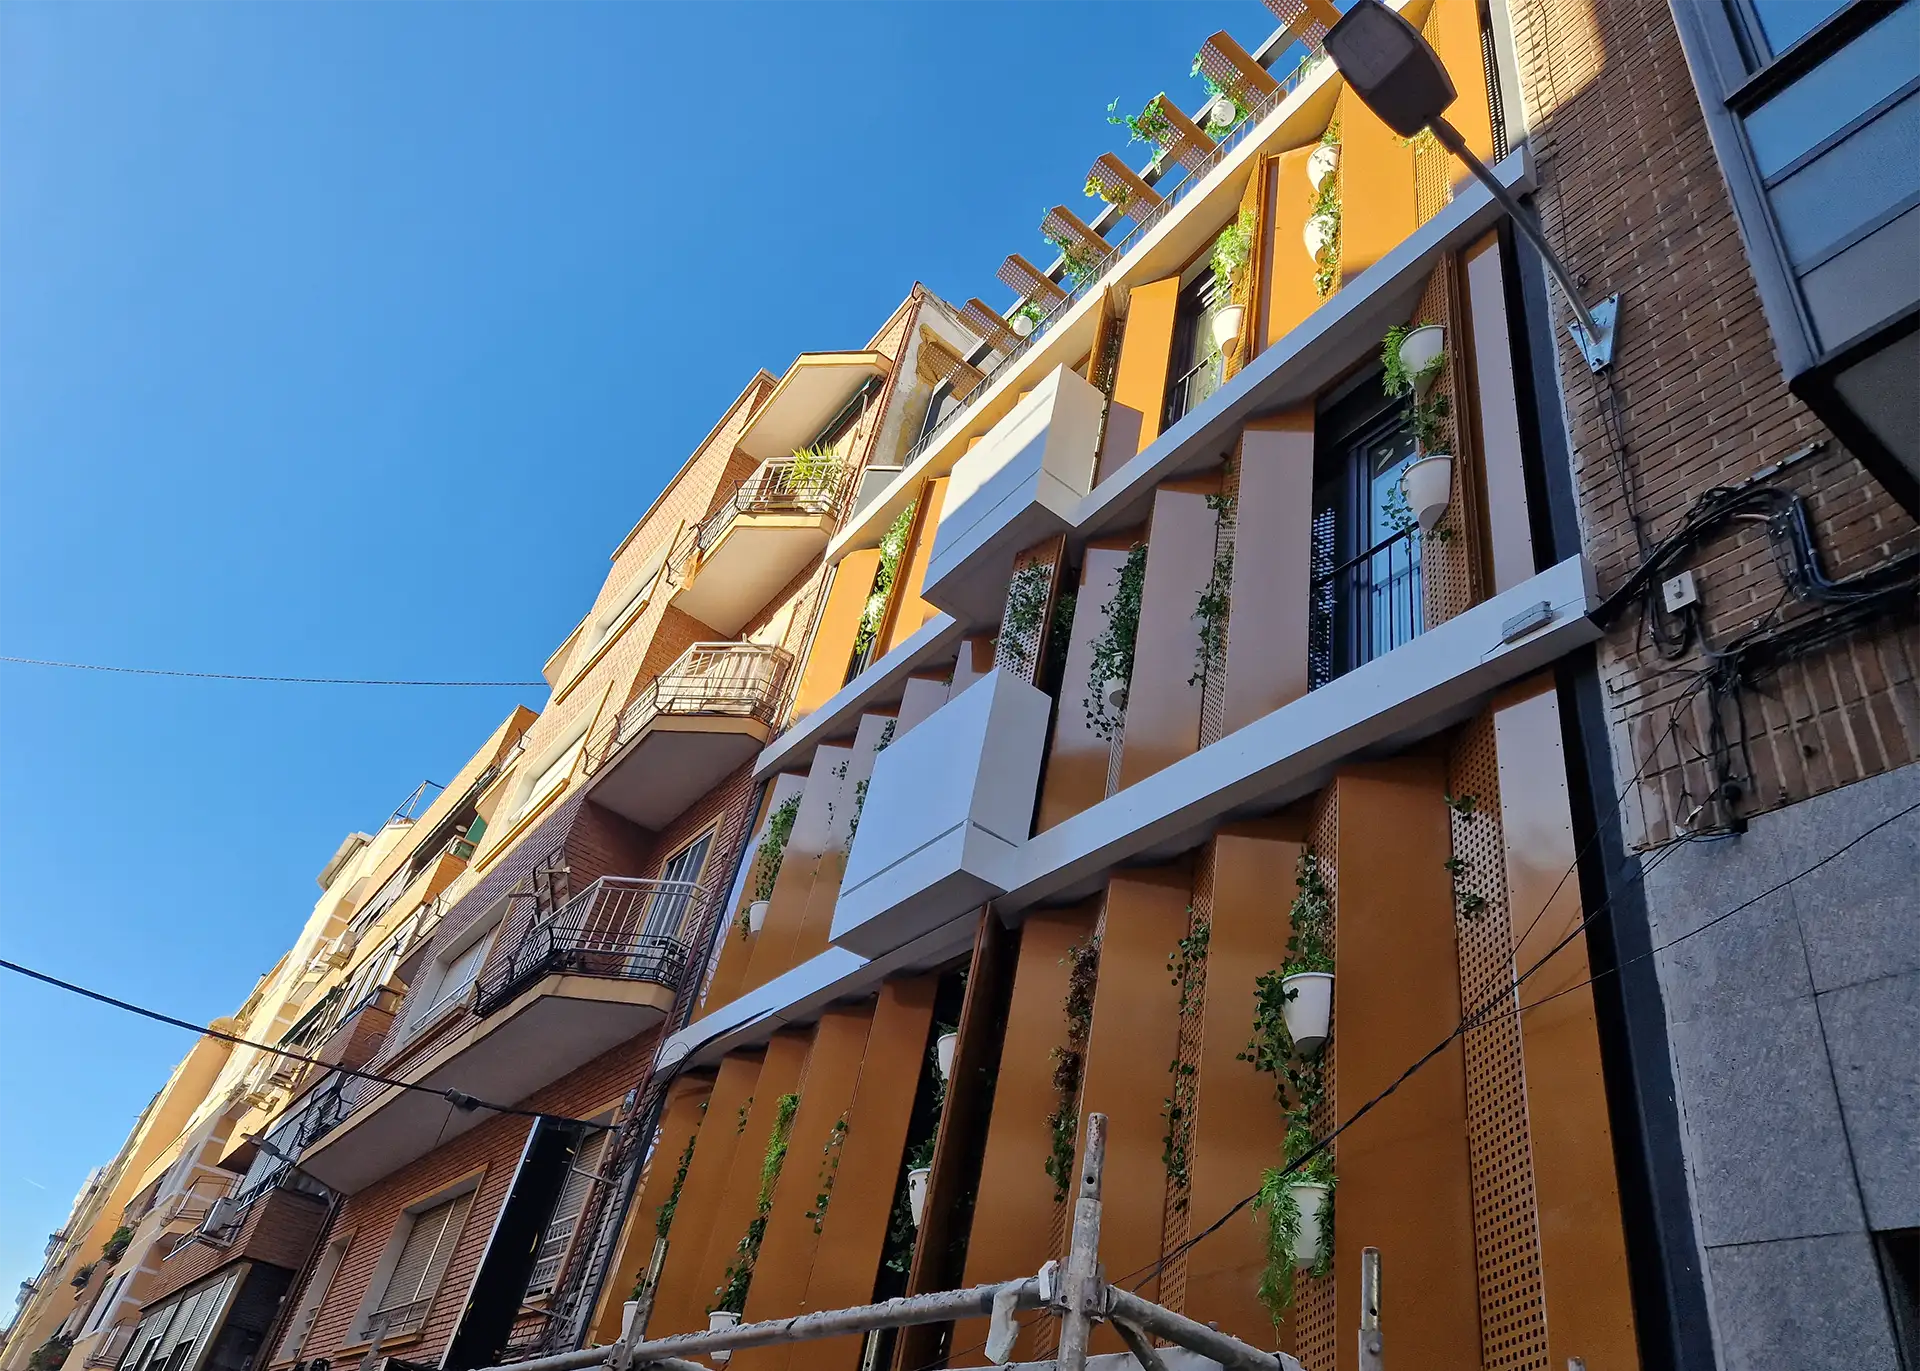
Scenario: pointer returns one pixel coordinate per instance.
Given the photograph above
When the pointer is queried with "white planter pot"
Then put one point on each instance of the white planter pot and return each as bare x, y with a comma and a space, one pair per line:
1022, 325
1114, 695
943, 1054
716, 1321
1226, 325
1322, 163
1311, 1196
1419, 351
1318, 233
1428, 486
1308, 1009
757, 915
917, 1192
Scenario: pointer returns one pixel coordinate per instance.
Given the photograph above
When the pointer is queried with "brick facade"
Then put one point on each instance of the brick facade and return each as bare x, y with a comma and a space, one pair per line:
280, 1229
1631, 192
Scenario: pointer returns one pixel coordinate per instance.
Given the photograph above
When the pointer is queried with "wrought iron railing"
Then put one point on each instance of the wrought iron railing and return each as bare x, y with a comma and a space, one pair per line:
1365, 607
618, 928
1078, 286
737, 680
1190, 391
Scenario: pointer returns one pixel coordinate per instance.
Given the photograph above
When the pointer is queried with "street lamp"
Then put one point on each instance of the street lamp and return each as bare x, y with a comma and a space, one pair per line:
1389, 66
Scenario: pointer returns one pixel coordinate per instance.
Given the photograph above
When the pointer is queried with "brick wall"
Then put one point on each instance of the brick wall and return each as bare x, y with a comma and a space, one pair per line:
493, 1148
1632, 194
280, 1229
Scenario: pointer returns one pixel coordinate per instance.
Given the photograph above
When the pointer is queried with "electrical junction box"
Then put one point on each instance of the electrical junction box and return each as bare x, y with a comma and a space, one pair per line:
1677, 592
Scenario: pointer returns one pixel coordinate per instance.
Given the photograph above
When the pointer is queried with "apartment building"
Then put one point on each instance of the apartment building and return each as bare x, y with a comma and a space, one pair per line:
1260, 683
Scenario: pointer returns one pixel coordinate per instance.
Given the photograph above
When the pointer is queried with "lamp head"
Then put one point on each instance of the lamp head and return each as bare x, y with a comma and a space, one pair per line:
1390, 67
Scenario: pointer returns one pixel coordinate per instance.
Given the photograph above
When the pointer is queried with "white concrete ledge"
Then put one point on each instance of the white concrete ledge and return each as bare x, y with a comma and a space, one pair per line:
882, 683
798, 996
1409, 693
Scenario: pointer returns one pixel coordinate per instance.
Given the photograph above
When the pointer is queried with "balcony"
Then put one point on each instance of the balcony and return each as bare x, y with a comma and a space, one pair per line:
1365, 607
1020, 483
730, 564
702, 717
617, 928
601, 970
950, 803
113, 1346
815, 392
269, 1218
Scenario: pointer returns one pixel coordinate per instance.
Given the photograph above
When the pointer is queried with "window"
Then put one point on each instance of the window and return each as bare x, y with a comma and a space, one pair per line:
418, 1267
552, 777
1198, 367
668, 908
557, 1241
172, 1337
457, 975
1368, 596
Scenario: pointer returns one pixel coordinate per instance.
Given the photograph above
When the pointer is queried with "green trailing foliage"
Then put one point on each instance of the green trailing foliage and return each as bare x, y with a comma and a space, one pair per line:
1232, 250
1216, 598
816, 470
1188, 967
731, 1294
115, 1247
1213, 128
1096, 189
1026, 609
1069, 1062
771, 852
1327, 201
829, 1173
1082, 260
1276, 1203
1112, 656
1031, 312
1149, 126
893, 545
663, 1221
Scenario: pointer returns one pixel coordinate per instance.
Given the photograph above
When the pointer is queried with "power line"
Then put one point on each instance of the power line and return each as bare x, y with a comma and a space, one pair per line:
459, 1099
1481, 1017
276, 680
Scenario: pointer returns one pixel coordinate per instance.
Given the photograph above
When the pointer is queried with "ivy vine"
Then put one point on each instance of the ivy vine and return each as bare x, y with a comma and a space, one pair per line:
1112, 658
1188, 967
1232, 250
1082, 260
1069, 1062
893, 545
663, 1221
829, 1172
1216, 599
1149, 126
1327, 201
731, 1294
771, 852
1026, 608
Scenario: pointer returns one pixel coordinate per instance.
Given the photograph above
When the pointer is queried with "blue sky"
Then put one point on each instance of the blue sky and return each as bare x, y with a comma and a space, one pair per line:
349, 340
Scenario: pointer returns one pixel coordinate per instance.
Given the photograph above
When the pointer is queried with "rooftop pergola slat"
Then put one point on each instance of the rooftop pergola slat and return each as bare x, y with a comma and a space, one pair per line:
1123, 187
1062, 223
939, 362
1232, 68
1180, 138
1027, 281
1306, 21
990, 327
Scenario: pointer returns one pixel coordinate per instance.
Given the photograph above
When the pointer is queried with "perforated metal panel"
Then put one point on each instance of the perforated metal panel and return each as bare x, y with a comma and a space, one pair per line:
1448, 557
1315, 1331
1021, 654
1506, 1234
1027, 281
1213, 686
1178, 1214
1433, 165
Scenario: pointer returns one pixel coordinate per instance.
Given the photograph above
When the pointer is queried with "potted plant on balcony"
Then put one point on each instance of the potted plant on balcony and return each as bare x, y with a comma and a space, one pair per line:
815, 471
943, 1047
82, 1276
1232, 251
115, 1247
1412, 359
50, 1355
1026, 319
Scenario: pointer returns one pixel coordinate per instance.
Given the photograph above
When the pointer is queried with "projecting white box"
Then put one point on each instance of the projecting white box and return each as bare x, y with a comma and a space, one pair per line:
1019, 484
947, 807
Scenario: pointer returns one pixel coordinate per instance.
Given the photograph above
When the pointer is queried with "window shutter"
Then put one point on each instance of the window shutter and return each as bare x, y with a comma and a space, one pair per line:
422, 1264
566, 1214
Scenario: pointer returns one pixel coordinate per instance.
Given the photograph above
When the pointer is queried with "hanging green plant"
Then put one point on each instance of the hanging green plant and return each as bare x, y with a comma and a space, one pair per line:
1112, 657
1188, 967
1069, 1062
1232, 250
770, 854
1117, 194
116, 1246
1082, 260
731, 1294
893, 545
1214, 127
1278, 1202
829, 1172
1026, 608
1216, 599
663, 1221
1032, 313
1149, 126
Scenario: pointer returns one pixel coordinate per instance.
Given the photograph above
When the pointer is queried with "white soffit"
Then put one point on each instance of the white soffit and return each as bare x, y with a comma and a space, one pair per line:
811, 393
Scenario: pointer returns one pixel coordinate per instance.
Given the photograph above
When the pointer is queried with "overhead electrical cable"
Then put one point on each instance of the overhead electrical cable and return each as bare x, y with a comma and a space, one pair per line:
457, 1098
274, 680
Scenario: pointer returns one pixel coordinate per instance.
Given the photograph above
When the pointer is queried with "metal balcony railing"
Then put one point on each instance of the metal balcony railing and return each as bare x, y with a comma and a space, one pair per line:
737, 680
1078, 287
618, 928
1365, 607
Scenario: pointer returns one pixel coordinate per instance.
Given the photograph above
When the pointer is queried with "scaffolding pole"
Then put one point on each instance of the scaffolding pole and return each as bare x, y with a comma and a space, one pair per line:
1079, 1297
